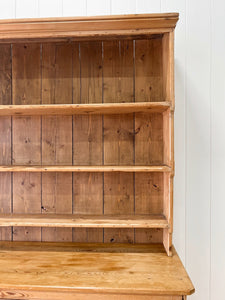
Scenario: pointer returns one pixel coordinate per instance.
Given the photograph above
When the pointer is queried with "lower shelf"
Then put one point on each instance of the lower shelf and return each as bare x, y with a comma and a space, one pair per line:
31, 268
89, 221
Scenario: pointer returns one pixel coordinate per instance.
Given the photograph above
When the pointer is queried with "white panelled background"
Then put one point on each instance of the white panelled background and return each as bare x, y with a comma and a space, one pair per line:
199, 198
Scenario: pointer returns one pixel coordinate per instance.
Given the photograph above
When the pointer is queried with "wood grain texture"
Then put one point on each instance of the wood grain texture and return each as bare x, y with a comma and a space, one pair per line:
118, 135
5, 135
83, 109
57, 136
139, 270
85, 168
26, 134
87, 137
148, 70
37, 295
148, 150
91, 27
89, 221
148, 139
118, 71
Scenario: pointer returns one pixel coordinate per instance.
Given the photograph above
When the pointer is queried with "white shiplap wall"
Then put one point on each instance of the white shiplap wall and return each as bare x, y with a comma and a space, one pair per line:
199, 201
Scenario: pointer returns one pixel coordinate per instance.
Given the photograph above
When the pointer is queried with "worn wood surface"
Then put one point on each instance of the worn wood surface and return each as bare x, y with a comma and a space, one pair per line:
56, 136
83, 109
5, 136
129, 269
37, 295
26, 135
89, 221
87, 138
118, 135
107, 140
97, 169
87, 27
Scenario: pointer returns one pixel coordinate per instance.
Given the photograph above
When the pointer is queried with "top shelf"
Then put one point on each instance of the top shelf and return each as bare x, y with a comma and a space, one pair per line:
84, 109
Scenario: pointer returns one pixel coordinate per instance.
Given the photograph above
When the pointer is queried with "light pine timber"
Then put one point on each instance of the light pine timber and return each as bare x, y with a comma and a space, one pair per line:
87, 137
57, 136
148, 70
26, 135
87, 27
5, 136
118, 135
168, 132
92, 268
35, 295
89, 221
95, 169
82, 109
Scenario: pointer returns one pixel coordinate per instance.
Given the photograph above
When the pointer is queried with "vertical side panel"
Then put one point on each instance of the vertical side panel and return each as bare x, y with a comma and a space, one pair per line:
5, 136
168, 177
118, 136
87, 137
148, 70
57, 136
179, 221
26, 137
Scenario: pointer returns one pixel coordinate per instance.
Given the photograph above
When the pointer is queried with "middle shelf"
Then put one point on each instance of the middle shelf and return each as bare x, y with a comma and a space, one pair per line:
28, 168
85, 221
84, 109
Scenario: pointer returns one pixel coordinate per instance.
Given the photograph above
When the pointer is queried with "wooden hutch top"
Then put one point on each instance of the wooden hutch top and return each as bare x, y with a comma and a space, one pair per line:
60, 270
78, 28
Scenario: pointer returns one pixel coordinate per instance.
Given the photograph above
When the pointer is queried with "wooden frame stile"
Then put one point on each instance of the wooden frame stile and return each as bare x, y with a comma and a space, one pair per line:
168, 124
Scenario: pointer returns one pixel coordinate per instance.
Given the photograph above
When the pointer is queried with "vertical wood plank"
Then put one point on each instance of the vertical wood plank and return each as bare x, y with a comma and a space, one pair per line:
149, 193
198, 148
87, 137
5, 136
148, 70
57, 136
118, 71
26, 135
168, 153
148, 128
148, 139
118, 136
218, 152
149, 189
